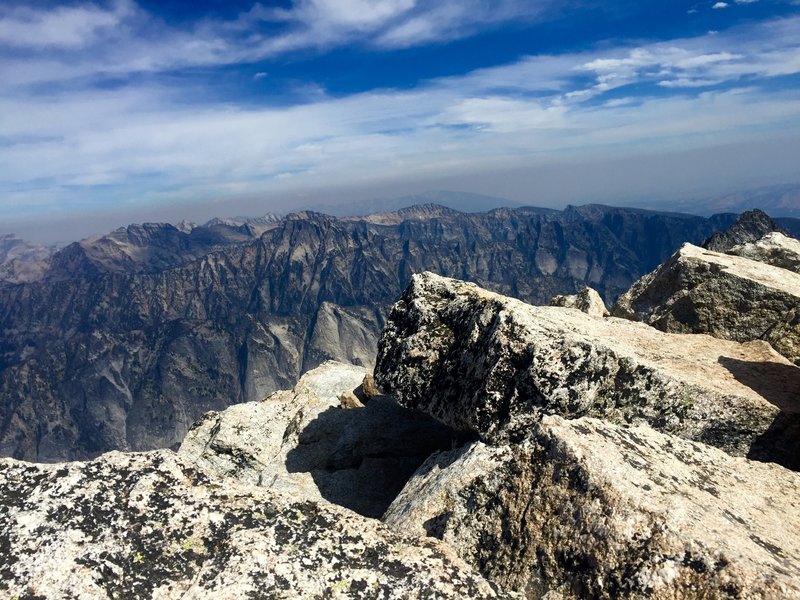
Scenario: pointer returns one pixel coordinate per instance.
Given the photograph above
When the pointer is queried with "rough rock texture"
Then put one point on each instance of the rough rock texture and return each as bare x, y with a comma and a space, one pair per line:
152, 525
482, 362
588, 509
749, 227
730, 297
302, 443
130, 338
773, 249
587, 300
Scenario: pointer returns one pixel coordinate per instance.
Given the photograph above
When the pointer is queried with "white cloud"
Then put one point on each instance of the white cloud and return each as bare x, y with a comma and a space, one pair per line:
144, 142
62, 27
718, 5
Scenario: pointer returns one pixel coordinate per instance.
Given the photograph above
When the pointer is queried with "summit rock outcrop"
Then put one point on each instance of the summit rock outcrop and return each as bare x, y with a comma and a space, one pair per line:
154, 525
486, 363
596, 473
724, 295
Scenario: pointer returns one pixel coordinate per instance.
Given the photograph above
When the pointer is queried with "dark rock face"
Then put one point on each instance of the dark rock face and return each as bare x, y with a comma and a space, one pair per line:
749, 227
128, 339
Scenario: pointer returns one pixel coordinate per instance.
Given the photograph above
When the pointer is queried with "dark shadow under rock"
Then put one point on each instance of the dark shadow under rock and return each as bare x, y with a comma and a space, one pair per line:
780, 384
362, 458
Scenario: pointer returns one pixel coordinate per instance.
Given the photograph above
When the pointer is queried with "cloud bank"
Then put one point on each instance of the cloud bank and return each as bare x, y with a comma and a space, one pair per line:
82, 128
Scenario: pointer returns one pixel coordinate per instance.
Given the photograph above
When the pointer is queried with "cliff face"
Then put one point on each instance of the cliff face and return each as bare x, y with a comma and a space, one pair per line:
126, 340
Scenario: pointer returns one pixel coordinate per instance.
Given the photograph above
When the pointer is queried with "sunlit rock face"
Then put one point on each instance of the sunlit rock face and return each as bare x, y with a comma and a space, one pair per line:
154, 525
610, 462
727, 296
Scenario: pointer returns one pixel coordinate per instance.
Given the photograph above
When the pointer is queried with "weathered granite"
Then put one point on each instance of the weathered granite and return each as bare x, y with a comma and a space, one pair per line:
588, 509
587, 300
481, 362
152, 525
773, 249
729, 297
303, 443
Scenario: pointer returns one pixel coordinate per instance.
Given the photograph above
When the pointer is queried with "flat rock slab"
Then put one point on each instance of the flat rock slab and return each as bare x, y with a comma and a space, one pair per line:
587, 509
479, 361
729, 297
152, 525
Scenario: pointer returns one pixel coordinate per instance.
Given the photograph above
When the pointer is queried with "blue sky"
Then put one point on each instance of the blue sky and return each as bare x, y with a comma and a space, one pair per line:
128, 110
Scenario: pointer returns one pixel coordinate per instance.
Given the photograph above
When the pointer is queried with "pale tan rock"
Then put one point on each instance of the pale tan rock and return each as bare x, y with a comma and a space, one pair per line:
350, 400
729, 297
773, 249
303, 443
482, 362
588, 509
587, 300
152, 525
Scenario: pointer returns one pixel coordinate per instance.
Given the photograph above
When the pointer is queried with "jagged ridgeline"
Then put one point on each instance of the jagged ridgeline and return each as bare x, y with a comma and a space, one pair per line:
123, 341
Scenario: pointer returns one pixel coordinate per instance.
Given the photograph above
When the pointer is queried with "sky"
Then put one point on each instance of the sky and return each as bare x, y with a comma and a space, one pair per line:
124, 110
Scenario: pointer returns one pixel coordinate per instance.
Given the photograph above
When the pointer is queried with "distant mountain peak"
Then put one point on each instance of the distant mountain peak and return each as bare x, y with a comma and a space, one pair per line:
749, 227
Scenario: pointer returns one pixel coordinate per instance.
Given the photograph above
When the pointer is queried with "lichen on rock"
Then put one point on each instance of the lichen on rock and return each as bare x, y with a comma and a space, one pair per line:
482, 362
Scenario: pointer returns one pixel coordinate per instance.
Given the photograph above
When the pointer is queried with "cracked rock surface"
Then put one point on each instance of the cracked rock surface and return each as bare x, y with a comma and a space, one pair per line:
588, 509
152, 525
482, 362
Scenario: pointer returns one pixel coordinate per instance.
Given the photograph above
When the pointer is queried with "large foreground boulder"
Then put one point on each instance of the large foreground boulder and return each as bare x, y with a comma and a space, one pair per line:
729, 297
587, 509
152, 525
482, 362
303, 443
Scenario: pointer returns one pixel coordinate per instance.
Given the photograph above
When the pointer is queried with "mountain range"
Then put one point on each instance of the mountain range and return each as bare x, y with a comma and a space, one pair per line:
124, 340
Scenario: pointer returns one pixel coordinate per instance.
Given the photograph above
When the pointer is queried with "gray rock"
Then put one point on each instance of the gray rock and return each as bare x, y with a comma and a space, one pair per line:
749, 227
482, 362
152, 525
773, 249
729, 297
587, 300
587, 509
304, 444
